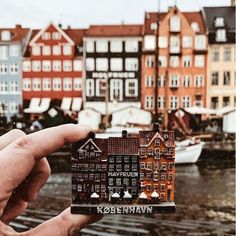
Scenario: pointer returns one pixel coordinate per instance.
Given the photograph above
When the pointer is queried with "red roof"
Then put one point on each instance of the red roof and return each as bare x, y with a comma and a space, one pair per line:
17, 34
76, 35
114, 31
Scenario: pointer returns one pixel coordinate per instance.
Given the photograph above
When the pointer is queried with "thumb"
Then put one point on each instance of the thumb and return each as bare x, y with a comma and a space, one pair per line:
64, 224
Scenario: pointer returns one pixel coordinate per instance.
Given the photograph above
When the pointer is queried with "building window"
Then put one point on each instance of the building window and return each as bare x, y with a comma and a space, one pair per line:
149, 176
161, 81
13, 106
36, 84
67, 65
3, 69
174, 61
13, 87
116, 45
161, 102
150, 61
162, 61
56, 50
26, 67
77, 84
118, 167
198, 80
186, 101
67, 50
116, 64
153, 26
149, 81
173, 102
195, 27
126, 167
141, 176
56, 65
163, 176
36, 50
13, 68
90, 64
170, 177
174, 81
214, 102
57, 84
226, 101
187, 42
67, 84
215, 54
187, 61
131, 64
162, 42
186, 81
46, 36
36, 66
219, 22
56, 36
227, 54
171, 166
199, 61
90, 87
150, 151
102, 64
116, 90
162, 188
200, 42
26, 84
174, 44
215, 78
101, 87
101, 46
14, 50
3, 52
3, 86
131, 87
119, 159
175, 23
149, 102
226, 79
131, 45
46, 50
77, 65
46, 65
142, 151
149, 42
89, 46
46, 84
221, 35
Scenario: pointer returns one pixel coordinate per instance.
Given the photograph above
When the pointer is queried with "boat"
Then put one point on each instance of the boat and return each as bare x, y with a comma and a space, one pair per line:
188, 151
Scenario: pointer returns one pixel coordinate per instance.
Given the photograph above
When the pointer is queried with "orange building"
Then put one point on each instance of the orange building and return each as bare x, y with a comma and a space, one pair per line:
182, 44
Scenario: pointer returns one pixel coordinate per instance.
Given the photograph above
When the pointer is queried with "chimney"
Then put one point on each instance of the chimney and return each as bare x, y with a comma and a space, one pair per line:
156, 127
60, 25
68, 27
18, 26
91, 135
233, 3
124, 134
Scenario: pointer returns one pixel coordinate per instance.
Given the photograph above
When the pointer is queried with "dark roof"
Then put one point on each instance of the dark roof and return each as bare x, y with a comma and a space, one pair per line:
123, 146
17, 34
228, 13
114, 31
102, 145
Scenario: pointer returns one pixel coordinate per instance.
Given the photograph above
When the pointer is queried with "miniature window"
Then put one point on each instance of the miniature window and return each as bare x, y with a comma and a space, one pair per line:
116, 45
149, 42
118, 167
155, 176
36, 65
134, 167
119, 159
170, 177
118, 181
134, 159
131, 87
116, 64
46, 50
97, 188
162, 43
89, 87
148, 187
131, 64
56, 65
157, 143
103, 177
150, 151
142, 165
134, 182
187, 61
156, 165
36, 50
221, 35
79, 167
111, 159
150, 61
73, 176
131, 45
172, 151
26, 84
163, 176
56, 35
142, 151
97, 177
90, 64
67, 65
174, 61
175, 23
91, 176
126, 167
101, 46
187, 42
200, 42
104, 167
103, 188
73, 167
164, 151
79, 187
162, 187
162, 196
199, 61
141, 176
126, 159
67, 50
98, 166
101, 64
73, 186
163, 166
111, 167
162, 61
89, 46
126, 181
85, 176
155, 187
149, 176
36, 84
77, 64
92, 188
149, 165
110, 181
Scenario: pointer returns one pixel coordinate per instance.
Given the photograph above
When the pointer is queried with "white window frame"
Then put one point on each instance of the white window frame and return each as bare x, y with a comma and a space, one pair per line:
90, 64
174, 102
174, 61
187, 42
116, 90
14, 50
13, 106
162, 61
131, 64
187, 61
36, 50
47, 85
186, 101
149, 81
57, 84
131, 45
26, 84
36, 84
13, 87
150, 61
46, 66
197, 79
56, 36
116, 64
149, 42
187, 81
67, 65
161, 102
67, 50
174, 80
162, 42
77, 84
102, 64
67, 84
195, 27
149, 103
101, 86
89, 44
200, 42
221, 35
26, 66
77, 65
134, 88
46, 35
46, 50
36, 66
90, 87
199, 61
56, 50
56, 65
175, 23
174, 44
14, 68
4, 69
3, 52
161, 81
116, 45
101, 45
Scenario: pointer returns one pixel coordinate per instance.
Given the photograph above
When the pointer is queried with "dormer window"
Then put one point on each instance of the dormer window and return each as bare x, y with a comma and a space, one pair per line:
149, 42
195, 27
219, 22
175, 23
6, 35
221, 35
56, 35
153, 26
46, 36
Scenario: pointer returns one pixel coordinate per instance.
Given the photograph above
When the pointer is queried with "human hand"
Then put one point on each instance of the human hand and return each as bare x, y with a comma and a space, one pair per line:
23, 172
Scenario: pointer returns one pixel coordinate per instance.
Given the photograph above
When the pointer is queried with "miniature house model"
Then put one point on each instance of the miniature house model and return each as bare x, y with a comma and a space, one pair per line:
124, 174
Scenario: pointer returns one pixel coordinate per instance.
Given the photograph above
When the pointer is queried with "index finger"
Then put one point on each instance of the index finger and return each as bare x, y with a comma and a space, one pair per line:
18, 159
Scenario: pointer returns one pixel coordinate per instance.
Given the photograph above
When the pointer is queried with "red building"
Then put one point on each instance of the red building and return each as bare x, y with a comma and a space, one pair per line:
182, 49
52, 69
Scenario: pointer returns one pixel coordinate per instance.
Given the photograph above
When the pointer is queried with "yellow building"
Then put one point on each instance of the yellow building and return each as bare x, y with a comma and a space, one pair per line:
221, 83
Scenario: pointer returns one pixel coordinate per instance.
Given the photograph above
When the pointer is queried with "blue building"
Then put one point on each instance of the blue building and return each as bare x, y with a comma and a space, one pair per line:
13, 42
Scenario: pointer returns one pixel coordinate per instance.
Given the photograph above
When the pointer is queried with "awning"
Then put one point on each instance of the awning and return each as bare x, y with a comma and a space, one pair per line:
66, 103
38, 107
76, 104
200, 110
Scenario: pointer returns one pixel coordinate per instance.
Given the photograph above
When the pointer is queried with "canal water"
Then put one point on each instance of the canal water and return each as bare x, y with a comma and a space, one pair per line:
205, 205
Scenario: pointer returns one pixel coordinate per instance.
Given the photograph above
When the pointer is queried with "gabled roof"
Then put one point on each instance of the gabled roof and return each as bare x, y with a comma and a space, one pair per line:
17, 34
114, 31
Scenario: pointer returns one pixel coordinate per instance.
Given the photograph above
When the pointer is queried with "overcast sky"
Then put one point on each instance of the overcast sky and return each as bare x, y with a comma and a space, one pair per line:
81, 13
